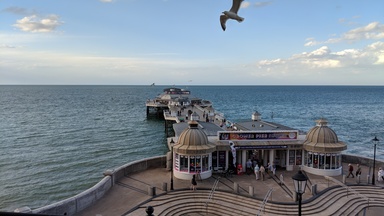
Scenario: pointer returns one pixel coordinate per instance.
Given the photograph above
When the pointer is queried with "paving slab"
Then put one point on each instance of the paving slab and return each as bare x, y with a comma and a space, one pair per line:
132, 190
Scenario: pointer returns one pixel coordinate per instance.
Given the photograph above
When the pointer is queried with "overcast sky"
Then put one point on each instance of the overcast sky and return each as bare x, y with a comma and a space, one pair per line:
139, 42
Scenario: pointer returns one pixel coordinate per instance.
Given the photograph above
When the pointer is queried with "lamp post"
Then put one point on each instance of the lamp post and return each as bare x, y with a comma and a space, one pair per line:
172, 143
375, 142
300, 182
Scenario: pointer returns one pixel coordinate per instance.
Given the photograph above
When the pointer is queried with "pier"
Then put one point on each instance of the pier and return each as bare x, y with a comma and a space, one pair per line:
238, 195
131, 188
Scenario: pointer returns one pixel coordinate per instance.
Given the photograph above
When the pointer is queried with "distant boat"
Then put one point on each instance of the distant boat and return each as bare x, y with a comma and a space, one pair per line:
153, 84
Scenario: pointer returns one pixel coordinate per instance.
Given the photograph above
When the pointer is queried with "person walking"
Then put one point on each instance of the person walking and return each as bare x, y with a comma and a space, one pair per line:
350, 169
257, 171
262, 172
249, 166
193, 183
358, 170
380, 175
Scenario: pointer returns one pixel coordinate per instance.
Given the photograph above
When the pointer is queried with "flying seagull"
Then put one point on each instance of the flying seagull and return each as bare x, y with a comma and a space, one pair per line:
231, 14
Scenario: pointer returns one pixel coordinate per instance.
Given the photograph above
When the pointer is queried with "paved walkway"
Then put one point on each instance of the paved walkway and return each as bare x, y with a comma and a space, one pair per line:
132, 190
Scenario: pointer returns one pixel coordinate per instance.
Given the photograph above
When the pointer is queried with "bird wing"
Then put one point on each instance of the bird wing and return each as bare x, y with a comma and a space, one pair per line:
223, 20
236, 5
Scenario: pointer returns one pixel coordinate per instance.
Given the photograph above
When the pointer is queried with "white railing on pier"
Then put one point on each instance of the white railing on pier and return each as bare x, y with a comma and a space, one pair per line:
261, 209
212, 191
348, 189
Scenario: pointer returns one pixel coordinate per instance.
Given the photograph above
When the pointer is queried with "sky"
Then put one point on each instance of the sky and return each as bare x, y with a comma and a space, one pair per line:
180, 42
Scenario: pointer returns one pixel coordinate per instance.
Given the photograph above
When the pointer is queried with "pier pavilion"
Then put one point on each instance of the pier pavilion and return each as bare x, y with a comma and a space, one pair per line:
192, 154
269, 143
322, 151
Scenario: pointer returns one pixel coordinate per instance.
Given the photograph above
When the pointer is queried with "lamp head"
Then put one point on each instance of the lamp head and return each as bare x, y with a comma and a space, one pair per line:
300, 182
375, 140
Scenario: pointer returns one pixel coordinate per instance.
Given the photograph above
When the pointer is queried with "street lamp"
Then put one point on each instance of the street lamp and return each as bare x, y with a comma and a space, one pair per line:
375, 142
300, 182
172, 143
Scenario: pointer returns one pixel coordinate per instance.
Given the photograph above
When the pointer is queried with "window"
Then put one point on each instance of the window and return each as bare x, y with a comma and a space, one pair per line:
315, 160
298, 157
192, 165
291, 157
198, 164
183, 163
205, 163
177, 164
214, 159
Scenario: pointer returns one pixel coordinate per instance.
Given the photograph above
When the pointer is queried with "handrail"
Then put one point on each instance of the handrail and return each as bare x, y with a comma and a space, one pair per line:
265, 201
309, 180
349, 189
212, 191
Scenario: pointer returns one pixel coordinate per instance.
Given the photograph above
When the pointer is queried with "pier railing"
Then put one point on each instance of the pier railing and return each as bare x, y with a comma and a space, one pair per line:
89, 197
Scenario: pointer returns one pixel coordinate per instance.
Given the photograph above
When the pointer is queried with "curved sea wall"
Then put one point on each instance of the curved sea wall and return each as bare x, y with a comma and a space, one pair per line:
355, 159
89, 197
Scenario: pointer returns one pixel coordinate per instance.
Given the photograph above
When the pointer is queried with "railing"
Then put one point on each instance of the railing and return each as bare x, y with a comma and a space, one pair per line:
347, 188
309, 186
261, 209
212, 191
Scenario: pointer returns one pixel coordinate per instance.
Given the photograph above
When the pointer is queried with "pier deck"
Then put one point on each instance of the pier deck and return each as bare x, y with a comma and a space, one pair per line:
131, 190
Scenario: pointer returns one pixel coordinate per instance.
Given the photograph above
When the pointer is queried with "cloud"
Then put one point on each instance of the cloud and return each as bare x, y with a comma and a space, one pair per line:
16, 10
35, 23
372, 31
6, 46
323, 58
106, 1
247, 4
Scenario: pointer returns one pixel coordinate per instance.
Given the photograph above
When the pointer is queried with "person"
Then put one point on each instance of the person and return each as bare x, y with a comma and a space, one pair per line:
193, 183
358, 170
262, 172
281, 179
350, 169
380, 175
249, 166
269, 167
254, 162
257, 170
272, 168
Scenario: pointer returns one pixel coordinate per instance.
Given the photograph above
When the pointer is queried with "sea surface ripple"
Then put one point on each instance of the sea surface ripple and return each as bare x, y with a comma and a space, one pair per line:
56, 141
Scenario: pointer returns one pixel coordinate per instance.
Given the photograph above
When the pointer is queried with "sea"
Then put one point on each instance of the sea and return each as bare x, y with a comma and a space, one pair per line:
56, 141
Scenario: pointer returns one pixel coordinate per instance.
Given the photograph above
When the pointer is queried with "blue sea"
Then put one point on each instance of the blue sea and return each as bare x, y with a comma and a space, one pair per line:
56, 141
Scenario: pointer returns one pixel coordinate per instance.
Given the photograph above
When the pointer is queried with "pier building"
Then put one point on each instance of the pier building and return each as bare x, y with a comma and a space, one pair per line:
176, 105
192, 154
266, 143
218, 145
323, 150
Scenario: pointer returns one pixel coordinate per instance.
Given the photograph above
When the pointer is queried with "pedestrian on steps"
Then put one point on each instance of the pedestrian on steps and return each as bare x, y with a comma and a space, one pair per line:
350, 169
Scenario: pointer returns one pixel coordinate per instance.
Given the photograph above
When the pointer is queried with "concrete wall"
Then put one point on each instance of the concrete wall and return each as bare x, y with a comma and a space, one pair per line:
137, 166
323, 172
88, 197
355, 159
79, 202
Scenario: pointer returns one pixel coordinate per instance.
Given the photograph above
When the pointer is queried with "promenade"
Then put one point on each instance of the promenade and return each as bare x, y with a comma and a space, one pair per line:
133, 191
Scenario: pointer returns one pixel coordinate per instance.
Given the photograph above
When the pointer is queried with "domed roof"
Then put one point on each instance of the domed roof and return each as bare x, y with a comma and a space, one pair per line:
193, 141
323, 139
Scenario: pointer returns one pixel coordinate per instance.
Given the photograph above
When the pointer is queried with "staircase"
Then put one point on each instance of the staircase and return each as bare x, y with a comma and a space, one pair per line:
333, 201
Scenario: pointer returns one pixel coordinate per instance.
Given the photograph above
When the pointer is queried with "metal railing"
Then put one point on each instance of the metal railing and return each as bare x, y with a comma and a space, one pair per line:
349, 190
212, 191
261, 209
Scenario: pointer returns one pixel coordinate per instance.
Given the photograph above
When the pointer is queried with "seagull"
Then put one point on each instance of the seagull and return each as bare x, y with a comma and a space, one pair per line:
231, 14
